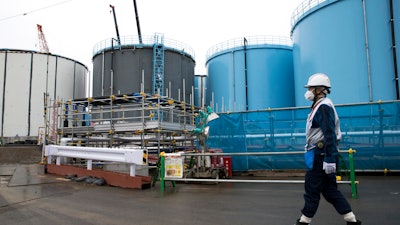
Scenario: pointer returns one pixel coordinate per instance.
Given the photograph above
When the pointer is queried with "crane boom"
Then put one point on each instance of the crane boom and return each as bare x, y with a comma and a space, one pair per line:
43, 47
116, 25
137, 22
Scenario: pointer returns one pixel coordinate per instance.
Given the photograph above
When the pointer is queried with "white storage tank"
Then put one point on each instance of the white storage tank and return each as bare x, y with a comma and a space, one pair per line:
25, 77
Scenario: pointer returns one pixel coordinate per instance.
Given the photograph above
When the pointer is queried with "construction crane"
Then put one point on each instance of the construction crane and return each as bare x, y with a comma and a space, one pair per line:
43, 47
137, 22
116, 25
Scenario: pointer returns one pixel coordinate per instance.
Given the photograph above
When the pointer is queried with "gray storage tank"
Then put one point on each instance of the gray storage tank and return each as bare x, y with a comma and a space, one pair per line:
118, 68
354, 42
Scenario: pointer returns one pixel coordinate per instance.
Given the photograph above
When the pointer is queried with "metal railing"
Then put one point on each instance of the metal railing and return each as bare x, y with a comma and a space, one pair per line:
163, 178
251, 41
305, 7
147, 40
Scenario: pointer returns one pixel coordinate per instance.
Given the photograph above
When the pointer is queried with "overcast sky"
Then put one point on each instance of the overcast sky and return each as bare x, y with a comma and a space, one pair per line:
73, 27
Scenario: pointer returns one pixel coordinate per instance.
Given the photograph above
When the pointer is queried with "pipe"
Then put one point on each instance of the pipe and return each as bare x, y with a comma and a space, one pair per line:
89, 85
367, 51
242, 153
142, 111
222, 104
30, 96
111, 133
184, 102
396, 75
102, 76
245, 73
73, 86
203, 91
250, 153
184, 91
112, 71
55, 78
4, 96
200, 96
233, 77
64, 141
112, 83
170, 89
191, 96
245, 181
213, 102
47, 76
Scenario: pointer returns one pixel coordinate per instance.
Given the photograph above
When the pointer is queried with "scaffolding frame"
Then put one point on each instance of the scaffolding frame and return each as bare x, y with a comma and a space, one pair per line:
154, 122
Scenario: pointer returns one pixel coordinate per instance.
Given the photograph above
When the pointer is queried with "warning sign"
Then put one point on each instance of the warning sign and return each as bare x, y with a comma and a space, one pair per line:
173, 165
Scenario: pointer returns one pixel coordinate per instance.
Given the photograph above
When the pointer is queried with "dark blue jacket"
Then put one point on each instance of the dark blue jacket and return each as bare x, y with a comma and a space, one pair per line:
324, 118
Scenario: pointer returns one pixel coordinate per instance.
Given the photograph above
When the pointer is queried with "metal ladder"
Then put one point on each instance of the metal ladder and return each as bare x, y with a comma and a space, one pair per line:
158, 65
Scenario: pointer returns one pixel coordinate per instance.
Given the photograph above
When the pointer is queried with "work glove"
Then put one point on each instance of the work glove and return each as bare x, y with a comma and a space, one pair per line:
329, 167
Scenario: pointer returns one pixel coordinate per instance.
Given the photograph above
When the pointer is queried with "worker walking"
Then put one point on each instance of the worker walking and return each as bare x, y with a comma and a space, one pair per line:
321, 154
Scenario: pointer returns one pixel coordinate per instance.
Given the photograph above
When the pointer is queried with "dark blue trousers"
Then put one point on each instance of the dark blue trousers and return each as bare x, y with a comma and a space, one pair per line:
317, 182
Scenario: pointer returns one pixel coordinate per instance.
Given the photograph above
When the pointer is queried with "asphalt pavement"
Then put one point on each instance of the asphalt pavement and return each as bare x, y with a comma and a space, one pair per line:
28, 196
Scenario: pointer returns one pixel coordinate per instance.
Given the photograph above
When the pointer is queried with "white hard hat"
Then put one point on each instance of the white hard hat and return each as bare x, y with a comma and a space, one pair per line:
318, 79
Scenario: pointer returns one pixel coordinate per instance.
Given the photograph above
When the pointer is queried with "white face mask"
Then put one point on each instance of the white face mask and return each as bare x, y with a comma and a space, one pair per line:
309, 95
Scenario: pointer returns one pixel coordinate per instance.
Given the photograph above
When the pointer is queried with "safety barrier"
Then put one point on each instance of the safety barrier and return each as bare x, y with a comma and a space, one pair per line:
132, 157
163, 176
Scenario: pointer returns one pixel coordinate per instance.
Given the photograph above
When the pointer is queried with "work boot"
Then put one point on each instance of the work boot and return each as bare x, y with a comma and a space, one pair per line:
354, 223
300, 223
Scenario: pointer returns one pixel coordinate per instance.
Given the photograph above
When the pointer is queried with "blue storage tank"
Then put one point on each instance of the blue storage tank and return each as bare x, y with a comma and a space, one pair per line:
250, 74
352, 41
